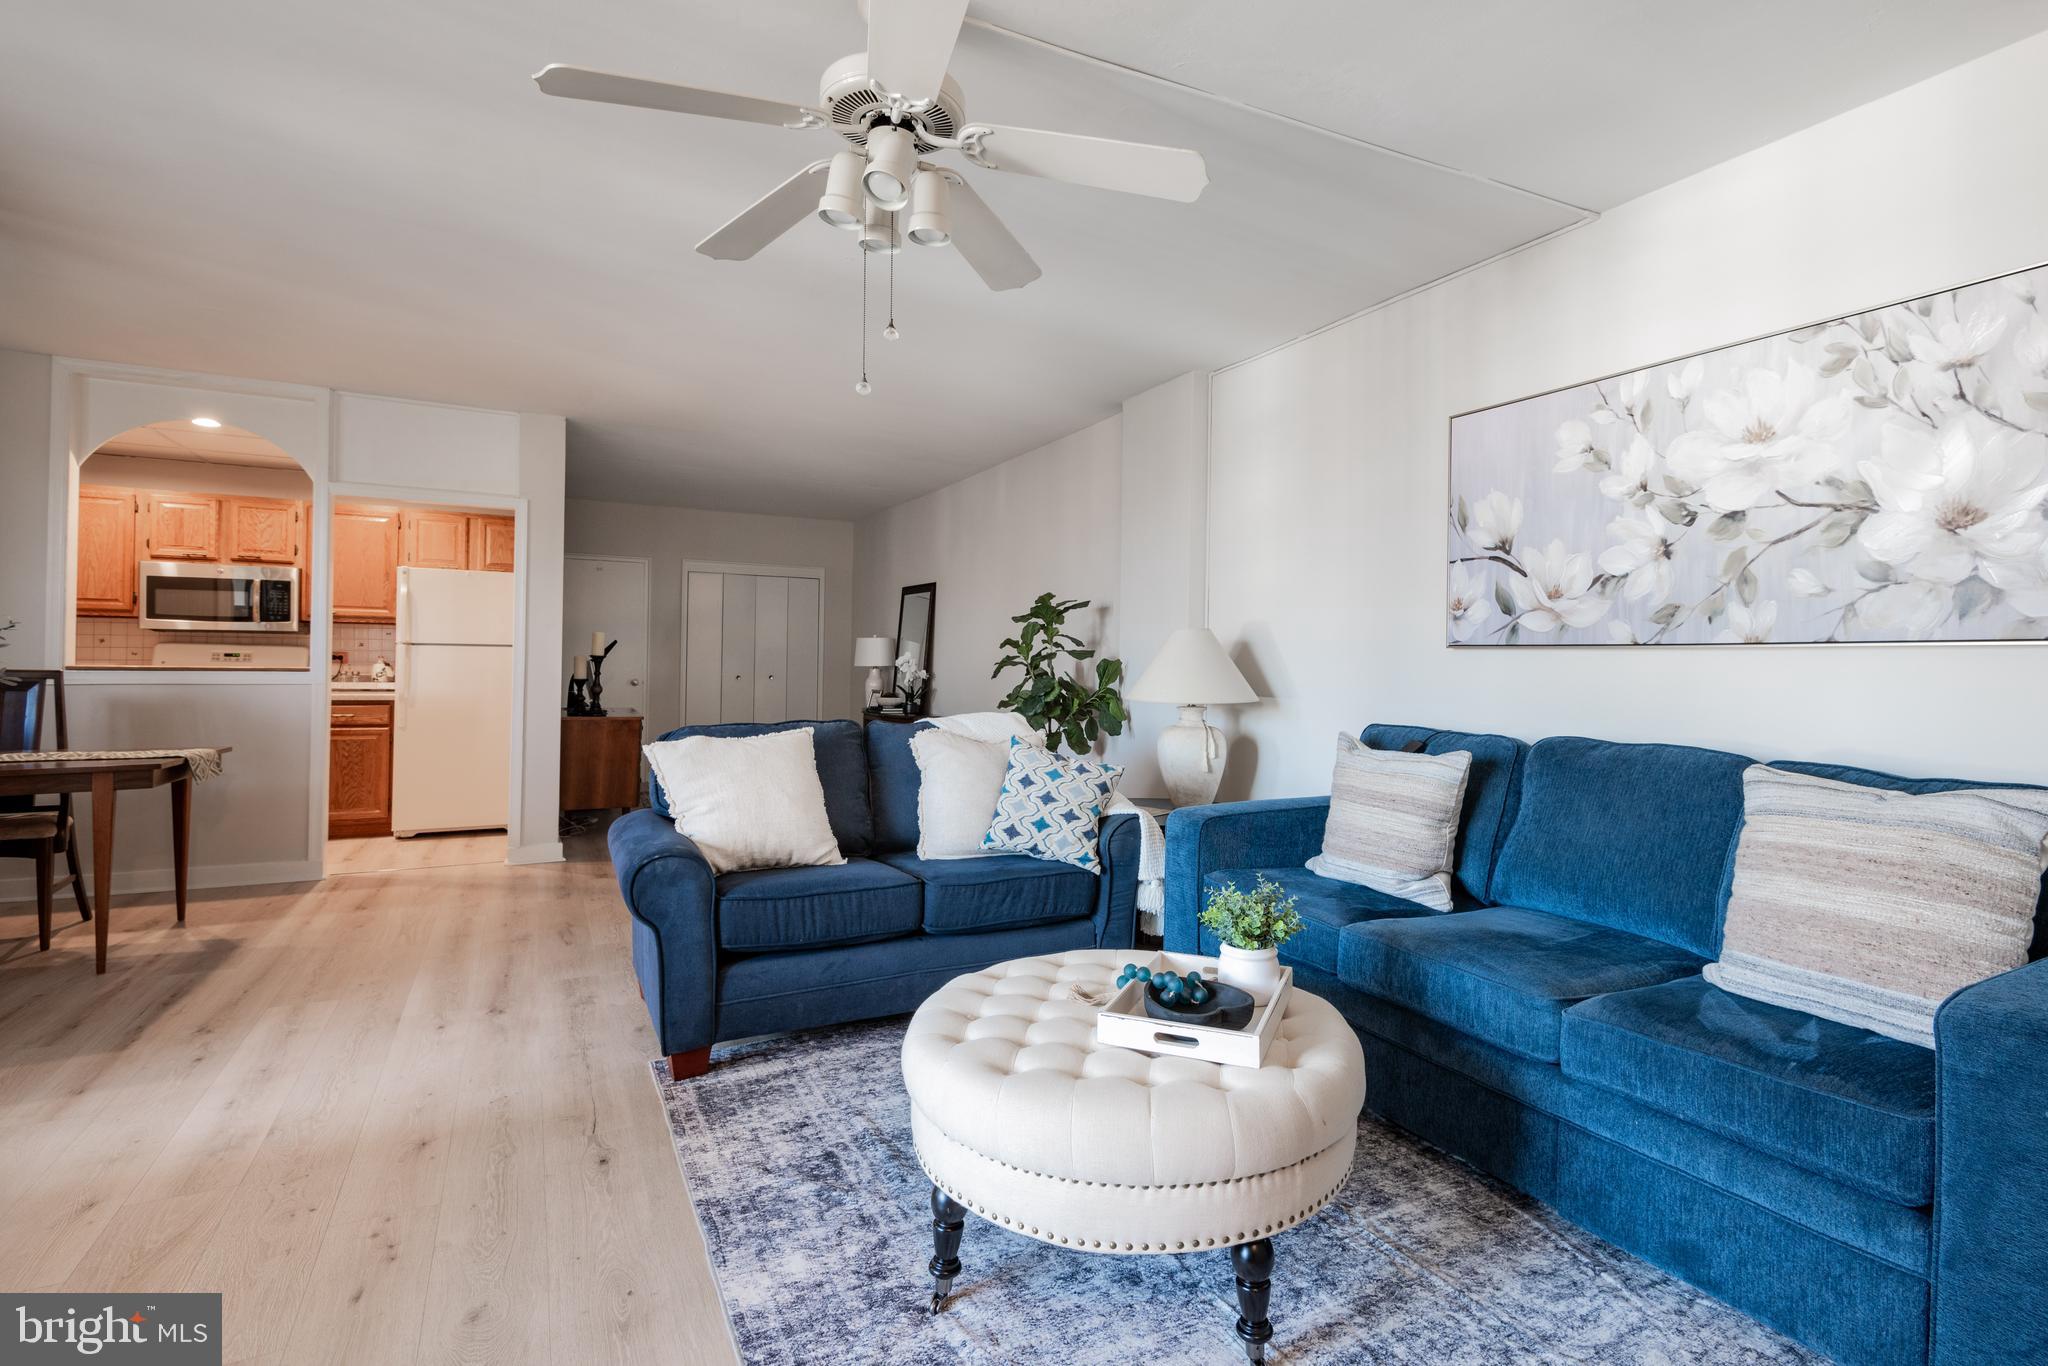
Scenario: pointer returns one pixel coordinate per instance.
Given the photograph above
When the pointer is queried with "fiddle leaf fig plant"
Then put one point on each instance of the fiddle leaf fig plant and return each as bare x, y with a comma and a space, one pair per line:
9, 625
1051, 695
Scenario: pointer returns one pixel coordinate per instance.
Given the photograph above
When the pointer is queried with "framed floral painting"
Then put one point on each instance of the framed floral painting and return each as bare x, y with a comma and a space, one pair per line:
1881, 477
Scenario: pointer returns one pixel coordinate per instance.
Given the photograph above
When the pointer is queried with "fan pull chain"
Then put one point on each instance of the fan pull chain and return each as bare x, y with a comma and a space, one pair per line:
890, 331
863, 388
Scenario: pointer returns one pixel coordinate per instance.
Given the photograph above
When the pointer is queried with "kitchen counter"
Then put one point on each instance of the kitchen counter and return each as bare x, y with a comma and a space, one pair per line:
362, 692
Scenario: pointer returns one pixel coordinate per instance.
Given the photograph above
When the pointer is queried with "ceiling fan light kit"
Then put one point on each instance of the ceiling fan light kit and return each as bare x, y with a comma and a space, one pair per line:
878, 233
892, 161
931, 220
842, 203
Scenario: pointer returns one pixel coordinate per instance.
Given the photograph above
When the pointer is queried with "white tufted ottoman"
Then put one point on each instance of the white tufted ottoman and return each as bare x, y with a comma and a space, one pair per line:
1019, 1116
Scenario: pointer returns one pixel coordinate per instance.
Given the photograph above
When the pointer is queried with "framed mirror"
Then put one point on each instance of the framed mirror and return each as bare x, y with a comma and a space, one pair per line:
915, 614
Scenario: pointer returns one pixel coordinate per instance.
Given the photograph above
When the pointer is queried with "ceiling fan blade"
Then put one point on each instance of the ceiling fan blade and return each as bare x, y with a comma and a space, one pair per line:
768, 217
910, 42
998, 258
1132, 167
580, 83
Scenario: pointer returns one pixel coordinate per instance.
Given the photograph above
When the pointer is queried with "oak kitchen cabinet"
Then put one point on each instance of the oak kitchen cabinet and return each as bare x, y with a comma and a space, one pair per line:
261, 530
182, 526
108, 571
490, 544
359, 769
457, 540
436, 540
366, 546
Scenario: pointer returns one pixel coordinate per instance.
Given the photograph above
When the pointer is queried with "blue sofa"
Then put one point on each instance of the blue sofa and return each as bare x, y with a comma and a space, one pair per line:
1878, 1201
796, 948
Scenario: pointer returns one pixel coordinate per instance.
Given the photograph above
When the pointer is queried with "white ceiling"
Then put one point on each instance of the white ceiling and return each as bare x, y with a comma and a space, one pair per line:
372, 196
180, 440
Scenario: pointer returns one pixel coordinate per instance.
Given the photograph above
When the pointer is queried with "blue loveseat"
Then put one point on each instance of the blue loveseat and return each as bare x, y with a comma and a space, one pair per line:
795, 948
1879, 1201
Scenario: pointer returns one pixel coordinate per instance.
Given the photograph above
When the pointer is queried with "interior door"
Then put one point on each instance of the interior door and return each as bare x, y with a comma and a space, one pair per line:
703, 647
736, 676
610, 595
750, 647
771, 648
803, 703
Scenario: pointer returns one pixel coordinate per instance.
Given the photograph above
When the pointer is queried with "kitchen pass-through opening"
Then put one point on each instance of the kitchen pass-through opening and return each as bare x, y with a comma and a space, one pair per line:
421, 680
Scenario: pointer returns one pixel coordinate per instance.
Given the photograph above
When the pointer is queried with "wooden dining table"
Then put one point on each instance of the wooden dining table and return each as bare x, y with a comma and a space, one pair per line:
100, 779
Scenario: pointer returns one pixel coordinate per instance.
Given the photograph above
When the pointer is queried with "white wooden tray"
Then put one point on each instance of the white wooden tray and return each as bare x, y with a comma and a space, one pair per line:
1123, 1023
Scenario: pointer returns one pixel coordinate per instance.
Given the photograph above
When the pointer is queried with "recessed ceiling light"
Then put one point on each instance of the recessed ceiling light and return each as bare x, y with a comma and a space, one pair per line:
206, 422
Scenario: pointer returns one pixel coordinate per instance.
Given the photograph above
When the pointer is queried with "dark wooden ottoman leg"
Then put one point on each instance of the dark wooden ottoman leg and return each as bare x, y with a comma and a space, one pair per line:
1253, 1263
949, 1221
683, 1066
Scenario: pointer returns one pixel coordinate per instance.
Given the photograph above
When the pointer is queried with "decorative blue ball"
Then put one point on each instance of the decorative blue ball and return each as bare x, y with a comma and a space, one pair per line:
1144, 974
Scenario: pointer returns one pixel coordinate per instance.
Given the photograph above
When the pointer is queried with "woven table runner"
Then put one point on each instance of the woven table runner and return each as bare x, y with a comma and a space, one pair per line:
205, 762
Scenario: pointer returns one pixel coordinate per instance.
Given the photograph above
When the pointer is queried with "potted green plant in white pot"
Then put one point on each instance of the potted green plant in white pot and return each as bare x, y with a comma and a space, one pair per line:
1251, 927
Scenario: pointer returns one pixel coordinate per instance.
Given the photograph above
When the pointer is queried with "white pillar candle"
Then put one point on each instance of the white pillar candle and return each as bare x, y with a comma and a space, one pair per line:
582, 669
597, 642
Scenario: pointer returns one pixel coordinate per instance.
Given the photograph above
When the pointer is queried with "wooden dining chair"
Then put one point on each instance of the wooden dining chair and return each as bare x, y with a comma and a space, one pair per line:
27, 829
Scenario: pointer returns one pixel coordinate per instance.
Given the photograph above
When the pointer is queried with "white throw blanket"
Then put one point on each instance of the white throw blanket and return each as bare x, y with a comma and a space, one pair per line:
996, 728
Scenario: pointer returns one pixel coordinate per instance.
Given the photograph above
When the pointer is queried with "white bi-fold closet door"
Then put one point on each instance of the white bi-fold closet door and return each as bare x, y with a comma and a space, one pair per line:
750, 644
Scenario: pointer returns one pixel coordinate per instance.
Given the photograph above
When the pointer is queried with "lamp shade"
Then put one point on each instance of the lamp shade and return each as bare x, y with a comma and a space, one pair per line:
874, 652
1191, 669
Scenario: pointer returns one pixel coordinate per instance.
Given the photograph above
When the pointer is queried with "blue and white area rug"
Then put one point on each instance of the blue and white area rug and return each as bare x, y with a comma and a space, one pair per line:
798, 1158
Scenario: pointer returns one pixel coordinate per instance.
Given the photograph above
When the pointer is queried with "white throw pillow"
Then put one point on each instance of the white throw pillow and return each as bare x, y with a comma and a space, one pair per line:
959, 779
749, 801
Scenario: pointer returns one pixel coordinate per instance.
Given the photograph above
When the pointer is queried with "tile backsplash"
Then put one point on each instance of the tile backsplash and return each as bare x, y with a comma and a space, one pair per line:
363, 644
122, 640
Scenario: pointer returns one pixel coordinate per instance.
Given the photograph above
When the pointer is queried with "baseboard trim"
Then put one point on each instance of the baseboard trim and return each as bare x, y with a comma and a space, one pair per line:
129, 880
549, 851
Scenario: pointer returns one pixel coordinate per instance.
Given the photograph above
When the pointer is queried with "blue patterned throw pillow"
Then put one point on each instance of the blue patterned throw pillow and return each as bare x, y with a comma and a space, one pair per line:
1051, 806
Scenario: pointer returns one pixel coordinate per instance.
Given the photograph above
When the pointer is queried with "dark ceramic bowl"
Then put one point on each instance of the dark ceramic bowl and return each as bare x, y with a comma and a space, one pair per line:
1229, 1008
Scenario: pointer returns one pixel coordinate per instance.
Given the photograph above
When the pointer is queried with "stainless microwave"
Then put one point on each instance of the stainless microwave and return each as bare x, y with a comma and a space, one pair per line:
180, 596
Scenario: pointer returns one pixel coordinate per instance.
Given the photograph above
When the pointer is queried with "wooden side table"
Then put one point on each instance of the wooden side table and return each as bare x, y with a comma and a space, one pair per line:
601, 762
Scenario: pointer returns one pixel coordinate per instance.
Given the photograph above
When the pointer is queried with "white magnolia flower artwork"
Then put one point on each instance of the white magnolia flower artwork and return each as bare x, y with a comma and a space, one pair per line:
1882, 477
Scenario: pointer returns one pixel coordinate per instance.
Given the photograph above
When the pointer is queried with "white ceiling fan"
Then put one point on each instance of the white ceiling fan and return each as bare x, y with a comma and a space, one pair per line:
895, 103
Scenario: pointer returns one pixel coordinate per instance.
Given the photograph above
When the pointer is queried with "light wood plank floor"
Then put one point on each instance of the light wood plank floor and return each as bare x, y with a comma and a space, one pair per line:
393, 1117
390, 854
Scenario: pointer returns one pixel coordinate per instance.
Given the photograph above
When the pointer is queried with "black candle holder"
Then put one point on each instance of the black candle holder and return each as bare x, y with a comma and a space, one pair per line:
586, 695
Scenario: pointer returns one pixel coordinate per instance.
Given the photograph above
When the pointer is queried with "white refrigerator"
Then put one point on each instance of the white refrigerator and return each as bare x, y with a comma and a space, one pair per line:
453, 722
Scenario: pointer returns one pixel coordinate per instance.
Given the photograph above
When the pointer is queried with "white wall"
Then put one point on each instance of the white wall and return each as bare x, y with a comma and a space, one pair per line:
1163, 537
669, 536
1046, 521
193, 476
1328, 456
25, 508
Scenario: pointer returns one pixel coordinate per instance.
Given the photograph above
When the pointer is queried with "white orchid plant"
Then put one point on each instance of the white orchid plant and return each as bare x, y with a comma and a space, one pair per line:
910, 678
1888, 474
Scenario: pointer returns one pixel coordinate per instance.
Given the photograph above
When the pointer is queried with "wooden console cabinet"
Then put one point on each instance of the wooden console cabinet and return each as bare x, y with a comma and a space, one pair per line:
601, 762
359, 770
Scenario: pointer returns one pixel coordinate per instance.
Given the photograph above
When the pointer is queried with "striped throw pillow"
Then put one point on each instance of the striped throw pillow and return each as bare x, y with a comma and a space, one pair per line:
1393, 823
1871, 907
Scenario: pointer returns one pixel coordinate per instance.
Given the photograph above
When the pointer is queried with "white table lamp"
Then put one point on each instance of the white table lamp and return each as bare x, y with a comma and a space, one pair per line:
1191, 671
874, 653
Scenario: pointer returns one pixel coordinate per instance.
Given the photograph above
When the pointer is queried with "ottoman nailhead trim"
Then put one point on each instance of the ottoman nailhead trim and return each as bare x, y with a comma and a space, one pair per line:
1232, 1240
